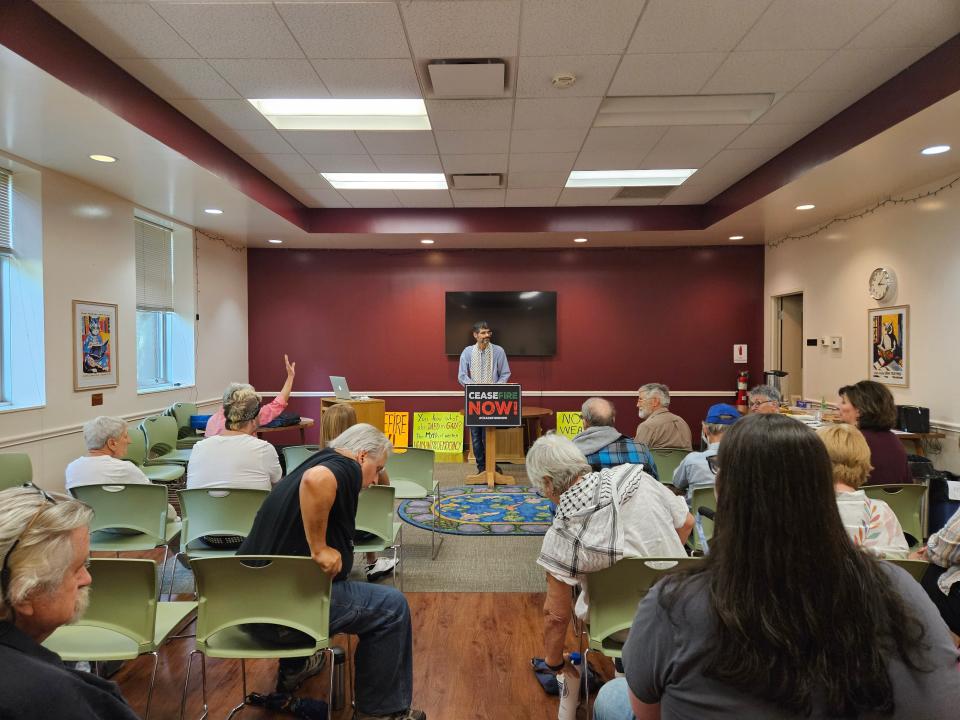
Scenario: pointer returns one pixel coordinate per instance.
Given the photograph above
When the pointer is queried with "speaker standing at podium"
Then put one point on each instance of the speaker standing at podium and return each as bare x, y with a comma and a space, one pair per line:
482, 364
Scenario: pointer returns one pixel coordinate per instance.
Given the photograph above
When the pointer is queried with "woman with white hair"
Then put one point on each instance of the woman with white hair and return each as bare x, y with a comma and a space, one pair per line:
601, 517
45, 543
218, 422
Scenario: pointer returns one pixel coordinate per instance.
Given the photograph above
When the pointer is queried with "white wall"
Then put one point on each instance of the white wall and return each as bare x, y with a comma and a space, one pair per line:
919, 242
88, 254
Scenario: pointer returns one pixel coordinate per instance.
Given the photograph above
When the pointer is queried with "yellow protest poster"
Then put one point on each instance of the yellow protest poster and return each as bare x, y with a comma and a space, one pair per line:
441, 432
569, 423
396, 426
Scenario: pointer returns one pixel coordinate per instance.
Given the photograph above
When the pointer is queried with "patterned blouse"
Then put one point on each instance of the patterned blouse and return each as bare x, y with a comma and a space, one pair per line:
872, 525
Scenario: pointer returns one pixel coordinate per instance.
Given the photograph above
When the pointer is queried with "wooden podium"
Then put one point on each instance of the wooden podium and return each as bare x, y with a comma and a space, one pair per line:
368, 411
490, 476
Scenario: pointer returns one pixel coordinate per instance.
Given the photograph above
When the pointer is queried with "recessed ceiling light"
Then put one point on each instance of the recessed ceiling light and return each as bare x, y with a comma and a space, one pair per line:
580, 240
935, 150
103, 158
426, 241
736, 237
627, 178
344, 114
274, 241
387, 181
808, 206
213, 211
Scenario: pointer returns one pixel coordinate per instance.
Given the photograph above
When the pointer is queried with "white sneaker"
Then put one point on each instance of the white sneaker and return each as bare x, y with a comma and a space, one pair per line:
381, 568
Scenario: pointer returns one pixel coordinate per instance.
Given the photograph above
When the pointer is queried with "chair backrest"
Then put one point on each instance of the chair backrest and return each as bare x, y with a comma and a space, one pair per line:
140, 507
137, 449
15, 470
294, 455
616, 591
220, 511
182, 412
905, 501
668, 460
375, 511
413, 465
916, 568
279, 590
161, 435
703, 497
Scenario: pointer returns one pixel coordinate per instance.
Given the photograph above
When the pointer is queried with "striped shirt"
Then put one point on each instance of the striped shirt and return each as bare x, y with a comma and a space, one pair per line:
943, 549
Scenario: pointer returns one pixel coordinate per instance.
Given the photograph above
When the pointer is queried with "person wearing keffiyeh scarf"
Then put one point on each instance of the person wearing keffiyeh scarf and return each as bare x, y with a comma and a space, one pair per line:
482, 364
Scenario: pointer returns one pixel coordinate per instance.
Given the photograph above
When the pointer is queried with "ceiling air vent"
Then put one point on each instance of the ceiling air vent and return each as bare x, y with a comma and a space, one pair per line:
476, 181
649, 192
484, 77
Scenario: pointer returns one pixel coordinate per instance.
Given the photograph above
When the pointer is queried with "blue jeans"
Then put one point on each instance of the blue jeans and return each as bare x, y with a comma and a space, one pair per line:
613, 702
379, 614
479, 441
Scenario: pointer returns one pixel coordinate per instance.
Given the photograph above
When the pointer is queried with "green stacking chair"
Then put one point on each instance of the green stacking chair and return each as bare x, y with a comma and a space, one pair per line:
703, 497
160, 432
15, 470
215, 511
187, 437
137, 454
668, 460
375, 515
411, 474
294, 455
234, 591
915, 567
906, 502
124, 619
139, 512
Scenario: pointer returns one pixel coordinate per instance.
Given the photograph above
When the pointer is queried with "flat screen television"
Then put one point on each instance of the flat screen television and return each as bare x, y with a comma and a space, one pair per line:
524, 323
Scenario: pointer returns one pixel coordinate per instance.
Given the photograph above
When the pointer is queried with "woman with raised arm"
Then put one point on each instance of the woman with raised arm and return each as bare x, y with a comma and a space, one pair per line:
218, 422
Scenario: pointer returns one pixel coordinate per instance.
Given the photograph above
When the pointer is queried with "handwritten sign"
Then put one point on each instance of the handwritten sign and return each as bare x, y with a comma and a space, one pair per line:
396, 426
441, 432
569, 423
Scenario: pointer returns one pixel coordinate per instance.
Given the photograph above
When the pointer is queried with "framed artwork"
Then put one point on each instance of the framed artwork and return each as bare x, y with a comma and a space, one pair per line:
889, 334
94, 345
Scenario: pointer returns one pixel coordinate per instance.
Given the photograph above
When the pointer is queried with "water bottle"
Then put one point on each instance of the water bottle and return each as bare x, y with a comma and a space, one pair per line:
569, 689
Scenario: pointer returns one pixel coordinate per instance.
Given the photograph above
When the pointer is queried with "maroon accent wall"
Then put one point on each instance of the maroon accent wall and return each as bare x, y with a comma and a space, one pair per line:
624, 317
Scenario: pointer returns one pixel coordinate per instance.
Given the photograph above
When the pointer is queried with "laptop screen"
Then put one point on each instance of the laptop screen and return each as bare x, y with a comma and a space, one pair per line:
340, 389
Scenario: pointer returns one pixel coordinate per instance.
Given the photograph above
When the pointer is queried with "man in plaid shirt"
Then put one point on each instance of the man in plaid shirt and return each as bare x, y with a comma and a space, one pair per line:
604, 445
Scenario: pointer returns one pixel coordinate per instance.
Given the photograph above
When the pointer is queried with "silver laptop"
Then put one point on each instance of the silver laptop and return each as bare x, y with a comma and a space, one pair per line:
340, 389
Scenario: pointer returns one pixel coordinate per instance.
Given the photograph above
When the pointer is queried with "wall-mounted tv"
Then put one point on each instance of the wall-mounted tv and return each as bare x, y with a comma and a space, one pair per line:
523, 322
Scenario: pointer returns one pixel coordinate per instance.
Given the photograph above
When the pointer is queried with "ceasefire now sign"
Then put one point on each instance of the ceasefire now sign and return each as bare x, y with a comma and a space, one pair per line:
492, 405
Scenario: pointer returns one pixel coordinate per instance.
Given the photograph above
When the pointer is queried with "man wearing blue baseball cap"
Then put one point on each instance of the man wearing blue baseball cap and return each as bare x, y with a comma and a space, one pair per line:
694, 471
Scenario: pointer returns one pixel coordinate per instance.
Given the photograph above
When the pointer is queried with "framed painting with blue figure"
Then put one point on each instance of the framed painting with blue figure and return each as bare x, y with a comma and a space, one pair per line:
890, 345
94, 345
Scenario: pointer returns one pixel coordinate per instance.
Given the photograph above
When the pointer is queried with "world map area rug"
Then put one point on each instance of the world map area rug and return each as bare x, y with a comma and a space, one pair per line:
478, 510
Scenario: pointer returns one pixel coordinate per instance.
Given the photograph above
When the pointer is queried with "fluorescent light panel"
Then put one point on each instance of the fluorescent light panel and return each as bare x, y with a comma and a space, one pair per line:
627, 178
682, 110
344, 114
387, 181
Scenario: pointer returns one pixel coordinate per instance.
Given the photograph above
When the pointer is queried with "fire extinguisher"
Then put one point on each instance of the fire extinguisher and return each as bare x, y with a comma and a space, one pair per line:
743, 379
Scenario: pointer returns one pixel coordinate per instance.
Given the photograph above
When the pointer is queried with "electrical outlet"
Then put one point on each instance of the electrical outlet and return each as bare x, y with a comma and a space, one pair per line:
836, 342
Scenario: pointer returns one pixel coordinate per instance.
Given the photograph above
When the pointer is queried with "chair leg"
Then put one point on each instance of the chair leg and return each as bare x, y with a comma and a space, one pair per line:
163, 572
153, 679
434, 546
203, 683
330, 662
398, 557
585, 677
243, 679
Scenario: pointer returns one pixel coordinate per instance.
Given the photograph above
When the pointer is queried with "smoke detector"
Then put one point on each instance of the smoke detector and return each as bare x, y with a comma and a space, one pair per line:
562, 81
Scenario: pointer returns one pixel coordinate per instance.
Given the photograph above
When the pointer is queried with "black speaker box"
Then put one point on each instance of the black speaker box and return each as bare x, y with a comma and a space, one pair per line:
914, 419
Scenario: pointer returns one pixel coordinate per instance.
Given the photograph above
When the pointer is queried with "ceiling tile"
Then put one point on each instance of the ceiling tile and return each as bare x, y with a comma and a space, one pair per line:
616, 139
424, 198
728, 166
470, 114
555, 113
361, 78
346, 30
689, 194
593, 73
462, 28
690, 146
665, 73
811, 24
272, 78
798, 107
542, 162
267, 163
235, 114
552, 27
310, 181
694, 25
471, 163
259, 141
610, 159
764, 71
862, 69
341, 163
326, 198
544, 141
532, 197
473, 142
122, 30
772, 136
408, 142
324, 142
537, 179
912, 23
408, 163
231, 30
477, 198
180, 78
370, 198
587, 196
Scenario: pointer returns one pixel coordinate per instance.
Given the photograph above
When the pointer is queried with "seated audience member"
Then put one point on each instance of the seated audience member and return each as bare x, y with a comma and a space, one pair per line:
871, 524
806, 626
604, 445
764, 399
942, 579
45, 542
659, 428
335, 420
217, 422
589, 534
312, 512
869, 406
693, 471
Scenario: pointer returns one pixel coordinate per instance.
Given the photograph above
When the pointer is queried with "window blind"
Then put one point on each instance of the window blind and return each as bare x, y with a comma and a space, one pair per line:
6, 232
154, 266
